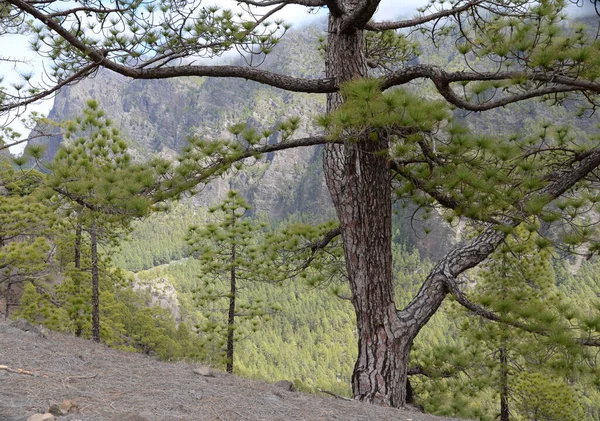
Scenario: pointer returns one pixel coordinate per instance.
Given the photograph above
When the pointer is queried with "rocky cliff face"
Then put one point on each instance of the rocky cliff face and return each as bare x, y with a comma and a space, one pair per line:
157, 117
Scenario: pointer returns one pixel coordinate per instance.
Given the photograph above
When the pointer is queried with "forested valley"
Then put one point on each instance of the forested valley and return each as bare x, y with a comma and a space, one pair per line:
400, 212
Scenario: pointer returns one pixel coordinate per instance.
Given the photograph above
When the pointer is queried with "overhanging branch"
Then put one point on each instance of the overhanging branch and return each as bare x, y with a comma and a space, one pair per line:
206, 172
488, 314
409, 23
550, 83
266, 3
443, 278
98, 59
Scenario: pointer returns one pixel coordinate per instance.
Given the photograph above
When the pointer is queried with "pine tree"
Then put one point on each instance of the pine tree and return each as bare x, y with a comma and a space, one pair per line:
94, 181
229, 254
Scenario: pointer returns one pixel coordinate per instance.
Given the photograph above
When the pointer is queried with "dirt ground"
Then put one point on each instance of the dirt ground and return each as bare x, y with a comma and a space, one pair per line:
107, 384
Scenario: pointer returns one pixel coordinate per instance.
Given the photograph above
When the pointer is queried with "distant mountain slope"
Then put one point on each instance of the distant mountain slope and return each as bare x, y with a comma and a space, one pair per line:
157, 117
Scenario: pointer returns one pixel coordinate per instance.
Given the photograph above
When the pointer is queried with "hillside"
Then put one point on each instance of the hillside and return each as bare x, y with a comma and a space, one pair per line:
114, 385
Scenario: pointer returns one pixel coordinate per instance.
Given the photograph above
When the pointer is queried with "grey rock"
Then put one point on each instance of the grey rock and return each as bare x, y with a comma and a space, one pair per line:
285, 385
25, 326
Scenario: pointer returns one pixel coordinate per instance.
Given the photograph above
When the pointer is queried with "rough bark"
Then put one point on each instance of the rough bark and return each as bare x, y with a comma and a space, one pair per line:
358, 178
95, 293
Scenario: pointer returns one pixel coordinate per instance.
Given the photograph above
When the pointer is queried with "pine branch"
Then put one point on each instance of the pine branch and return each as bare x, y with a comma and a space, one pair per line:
205, 173
443, 278
80, 74
265, 3
99, 58
319, 245
419, 370
488, 314
442, 198
409, 23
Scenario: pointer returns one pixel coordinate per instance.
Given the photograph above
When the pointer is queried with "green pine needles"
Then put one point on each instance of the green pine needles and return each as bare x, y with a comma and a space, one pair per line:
229, 252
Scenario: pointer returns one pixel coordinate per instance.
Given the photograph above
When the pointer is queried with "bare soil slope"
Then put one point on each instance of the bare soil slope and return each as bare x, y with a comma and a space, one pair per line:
108, 384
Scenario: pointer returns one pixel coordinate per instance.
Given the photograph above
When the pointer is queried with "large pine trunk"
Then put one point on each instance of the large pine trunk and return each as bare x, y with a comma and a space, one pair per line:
358, 178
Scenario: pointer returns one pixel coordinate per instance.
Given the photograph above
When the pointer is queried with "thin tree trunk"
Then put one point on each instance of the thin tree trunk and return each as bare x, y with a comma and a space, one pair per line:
231, 315
78, 246
95, 293
504, 409
7, 304
78, 321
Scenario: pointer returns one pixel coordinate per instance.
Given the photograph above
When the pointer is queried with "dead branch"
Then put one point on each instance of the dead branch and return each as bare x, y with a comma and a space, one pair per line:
21, 371
334, 395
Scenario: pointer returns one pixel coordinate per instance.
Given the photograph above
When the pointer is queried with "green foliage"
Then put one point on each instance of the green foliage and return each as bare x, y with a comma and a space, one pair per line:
228, 251
92, 172
389, 49
437, 161
128, 320
25, 230
146, 248
34, 307
494, 360
540, 398
295, 249
367, 110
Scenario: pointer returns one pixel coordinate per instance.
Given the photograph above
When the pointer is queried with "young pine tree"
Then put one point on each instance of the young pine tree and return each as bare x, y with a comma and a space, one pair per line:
530, 376
94, 181
229, 254
25, 226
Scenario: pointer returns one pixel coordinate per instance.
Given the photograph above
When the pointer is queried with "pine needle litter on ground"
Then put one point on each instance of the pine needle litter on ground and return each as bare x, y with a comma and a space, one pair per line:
38, 370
